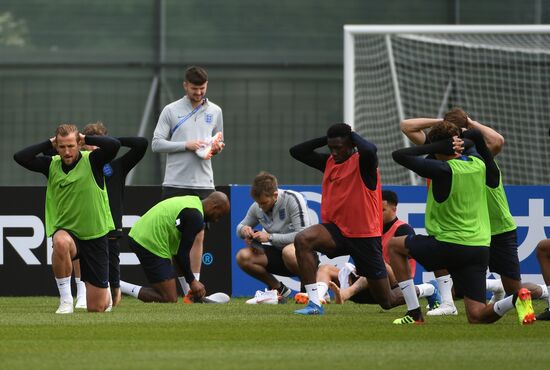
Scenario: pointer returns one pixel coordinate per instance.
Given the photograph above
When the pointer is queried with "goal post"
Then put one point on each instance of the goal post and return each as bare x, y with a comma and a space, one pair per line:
500, 75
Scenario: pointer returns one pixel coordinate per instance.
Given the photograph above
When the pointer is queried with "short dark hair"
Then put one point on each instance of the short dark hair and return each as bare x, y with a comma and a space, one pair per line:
196, 75
442, 131
264, 184
390, 197
339, 130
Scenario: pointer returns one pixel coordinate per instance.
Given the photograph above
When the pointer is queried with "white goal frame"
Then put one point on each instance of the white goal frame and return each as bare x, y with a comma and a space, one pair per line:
350, 31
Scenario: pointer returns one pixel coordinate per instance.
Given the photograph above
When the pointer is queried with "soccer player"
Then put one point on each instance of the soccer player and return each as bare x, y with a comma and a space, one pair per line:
77, 210
329, 276
165, 233
189, 130
115, 174
457, 220
503, 256
351, 212
282, 214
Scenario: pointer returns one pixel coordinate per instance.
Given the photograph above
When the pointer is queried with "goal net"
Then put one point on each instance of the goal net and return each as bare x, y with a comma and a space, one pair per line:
500, 75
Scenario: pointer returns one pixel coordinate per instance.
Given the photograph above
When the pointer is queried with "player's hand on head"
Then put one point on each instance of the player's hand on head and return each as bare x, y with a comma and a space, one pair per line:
458, 145
198, 289
194, 145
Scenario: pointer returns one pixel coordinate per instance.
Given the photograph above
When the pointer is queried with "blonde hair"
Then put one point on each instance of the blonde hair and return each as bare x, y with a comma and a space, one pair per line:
65, 129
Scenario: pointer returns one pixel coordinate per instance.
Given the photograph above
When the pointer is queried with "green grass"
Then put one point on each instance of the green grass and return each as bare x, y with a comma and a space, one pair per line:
239, 336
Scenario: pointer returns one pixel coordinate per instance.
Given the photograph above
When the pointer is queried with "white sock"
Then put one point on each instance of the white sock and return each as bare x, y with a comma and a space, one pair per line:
425, 290
409, 293
322, 289
544, 289
445, 285
80, 287
184, 286
64, 287
547, 295
504, 305
494, 285
312, 293
130, 289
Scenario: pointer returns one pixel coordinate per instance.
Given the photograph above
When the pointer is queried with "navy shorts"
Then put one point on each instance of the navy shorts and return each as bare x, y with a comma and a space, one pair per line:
94, 260
157, 269
366, 253
466, 264
503, 255
114, 262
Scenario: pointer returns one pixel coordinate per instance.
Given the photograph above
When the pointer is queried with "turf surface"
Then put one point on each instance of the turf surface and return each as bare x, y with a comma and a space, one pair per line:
239, 336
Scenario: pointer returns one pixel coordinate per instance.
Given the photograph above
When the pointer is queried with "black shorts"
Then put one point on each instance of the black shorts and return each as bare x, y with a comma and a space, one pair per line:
157, 269
366, 253
275, 263
94, 260
466, 264
170, 192
114, 262
503, 255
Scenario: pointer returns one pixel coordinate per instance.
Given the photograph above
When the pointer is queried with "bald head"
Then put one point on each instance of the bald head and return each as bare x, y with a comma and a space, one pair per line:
215, 206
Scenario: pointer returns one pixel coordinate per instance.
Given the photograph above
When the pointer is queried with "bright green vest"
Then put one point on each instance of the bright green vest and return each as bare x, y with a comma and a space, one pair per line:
156, 230
463, 217
74, 201
499, 212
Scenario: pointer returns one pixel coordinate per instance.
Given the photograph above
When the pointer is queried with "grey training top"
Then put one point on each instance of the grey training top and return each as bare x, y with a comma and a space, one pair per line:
288, 217
184, 169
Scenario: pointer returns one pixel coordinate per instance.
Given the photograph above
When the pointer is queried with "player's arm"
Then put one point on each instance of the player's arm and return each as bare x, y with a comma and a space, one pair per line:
493, 139
439, 171
368, 160
162, 136
412, 158
305, 153
107, 148
30, 159
414, 128
189, 222
138, 147
492, 173
245, 228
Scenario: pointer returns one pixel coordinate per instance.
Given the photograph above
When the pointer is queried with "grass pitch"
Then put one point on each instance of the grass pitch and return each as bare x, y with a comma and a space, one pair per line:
239, 336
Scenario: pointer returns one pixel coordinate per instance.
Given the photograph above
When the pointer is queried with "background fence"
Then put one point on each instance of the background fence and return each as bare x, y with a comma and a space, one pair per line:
275, 69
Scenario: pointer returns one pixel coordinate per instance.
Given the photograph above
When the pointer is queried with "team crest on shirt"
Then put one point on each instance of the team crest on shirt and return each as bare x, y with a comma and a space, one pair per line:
282, 214
208, 118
